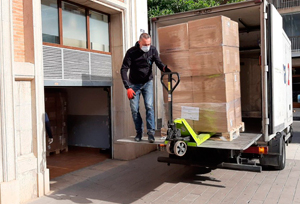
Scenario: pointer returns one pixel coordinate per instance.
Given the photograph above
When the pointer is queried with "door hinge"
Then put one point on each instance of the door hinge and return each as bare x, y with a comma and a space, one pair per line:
267, 122
266, 68
265, 15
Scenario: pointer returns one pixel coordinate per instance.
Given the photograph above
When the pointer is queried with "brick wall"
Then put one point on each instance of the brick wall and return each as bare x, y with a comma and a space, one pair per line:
18, 30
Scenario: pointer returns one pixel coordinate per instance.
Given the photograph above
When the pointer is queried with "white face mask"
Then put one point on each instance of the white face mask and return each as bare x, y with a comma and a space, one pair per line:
146, 48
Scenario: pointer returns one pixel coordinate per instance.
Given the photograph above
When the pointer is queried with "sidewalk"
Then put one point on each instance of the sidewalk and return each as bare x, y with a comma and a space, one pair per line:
144, 180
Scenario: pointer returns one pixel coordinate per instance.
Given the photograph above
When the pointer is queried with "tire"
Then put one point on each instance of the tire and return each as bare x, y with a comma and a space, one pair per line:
180, 148
170, 147
282, 157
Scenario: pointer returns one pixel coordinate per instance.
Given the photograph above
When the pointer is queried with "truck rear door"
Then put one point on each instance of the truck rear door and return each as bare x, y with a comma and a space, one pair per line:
287, 61
279, 72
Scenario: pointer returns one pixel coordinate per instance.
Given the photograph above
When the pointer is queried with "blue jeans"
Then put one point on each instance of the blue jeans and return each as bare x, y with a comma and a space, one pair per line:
147, 91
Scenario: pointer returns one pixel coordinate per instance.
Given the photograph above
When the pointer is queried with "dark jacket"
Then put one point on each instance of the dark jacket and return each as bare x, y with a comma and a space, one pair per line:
48, 126
140, 65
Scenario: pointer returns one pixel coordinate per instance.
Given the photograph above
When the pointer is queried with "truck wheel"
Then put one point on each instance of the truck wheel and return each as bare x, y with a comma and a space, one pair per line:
281, 158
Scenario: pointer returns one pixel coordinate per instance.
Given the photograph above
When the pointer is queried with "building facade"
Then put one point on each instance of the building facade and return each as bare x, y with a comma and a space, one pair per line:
55, 44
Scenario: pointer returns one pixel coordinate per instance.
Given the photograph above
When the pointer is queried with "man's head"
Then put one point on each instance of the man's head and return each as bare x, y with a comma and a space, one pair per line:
145, 42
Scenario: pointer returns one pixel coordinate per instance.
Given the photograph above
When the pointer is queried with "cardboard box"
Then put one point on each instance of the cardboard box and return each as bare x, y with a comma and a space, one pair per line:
61, 128
238, 112
55, 146
237, 85
176, 113
56, 108
207, 117
213, 89
51, 114
173, 38
178, 62
53, 128
64, 142
215, 117
50, 100
214, 31
251, 86
183, 92
214, 60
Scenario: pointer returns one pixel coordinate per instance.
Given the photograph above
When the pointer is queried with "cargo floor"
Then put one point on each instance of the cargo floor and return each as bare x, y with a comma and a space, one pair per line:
244, 141
76, 158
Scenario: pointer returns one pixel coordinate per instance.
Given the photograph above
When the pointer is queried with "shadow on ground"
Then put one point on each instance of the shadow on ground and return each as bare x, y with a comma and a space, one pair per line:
296, 132
132, 181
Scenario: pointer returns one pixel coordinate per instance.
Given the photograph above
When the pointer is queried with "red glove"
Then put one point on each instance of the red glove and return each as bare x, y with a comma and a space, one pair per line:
130, 93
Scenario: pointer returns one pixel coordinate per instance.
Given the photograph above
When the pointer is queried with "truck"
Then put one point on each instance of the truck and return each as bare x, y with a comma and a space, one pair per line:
268, 126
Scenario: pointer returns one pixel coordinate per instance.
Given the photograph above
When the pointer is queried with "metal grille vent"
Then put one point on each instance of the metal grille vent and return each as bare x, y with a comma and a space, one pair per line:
52, 62
76, 64
100, 67
68, 64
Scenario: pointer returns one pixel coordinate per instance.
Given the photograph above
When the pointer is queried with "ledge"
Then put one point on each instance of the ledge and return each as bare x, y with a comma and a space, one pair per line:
23, 71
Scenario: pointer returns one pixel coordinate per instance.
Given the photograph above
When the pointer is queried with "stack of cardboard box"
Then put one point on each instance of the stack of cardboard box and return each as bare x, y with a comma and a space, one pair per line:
205, 53
56, 108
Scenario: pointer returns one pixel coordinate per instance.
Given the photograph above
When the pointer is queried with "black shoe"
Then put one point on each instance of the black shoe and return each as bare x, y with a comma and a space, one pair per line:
138, 138
151, 138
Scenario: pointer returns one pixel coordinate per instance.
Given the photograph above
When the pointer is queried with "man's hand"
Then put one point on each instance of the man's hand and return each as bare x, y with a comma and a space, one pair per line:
166, 69
130, 93
50, 140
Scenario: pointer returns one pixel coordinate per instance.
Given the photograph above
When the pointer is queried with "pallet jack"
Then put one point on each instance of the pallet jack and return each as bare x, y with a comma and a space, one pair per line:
180, 134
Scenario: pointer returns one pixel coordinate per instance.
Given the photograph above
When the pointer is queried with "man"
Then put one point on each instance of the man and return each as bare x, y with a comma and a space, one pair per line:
139, 60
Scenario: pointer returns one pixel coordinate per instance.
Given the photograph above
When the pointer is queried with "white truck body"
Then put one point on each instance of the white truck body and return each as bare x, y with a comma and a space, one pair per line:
261, 35
265, 26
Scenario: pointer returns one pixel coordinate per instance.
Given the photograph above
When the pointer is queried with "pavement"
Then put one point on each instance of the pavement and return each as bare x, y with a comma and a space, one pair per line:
144, 180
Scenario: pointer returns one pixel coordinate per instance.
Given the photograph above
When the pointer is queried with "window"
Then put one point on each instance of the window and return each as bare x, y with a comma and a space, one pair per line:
291, 24
69, 24
74, 25
50, 21
99, 31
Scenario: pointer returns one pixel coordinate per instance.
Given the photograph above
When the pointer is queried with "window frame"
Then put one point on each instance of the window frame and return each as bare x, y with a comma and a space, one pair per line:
87, 17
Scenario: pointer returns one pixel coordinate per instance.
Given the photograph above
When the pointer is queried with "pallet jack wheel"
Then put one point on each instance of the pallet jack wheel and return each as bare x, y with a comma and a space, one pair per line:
170, 148
180, 148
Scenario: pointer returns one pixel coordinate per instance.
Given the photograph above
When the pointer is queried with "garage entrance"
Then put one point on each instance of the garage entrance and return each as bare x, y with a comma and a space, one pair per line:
80, 125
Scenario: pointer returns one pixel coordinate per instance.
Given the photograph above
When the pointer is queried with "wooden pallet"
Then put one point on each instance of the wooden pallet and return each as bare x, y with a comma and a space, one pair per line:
226, 136
57, 151
229, 136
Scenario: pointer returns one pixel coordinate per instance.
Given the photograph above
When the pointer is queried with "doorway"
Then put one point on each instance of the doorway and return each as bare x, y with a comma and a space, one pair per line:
81, 127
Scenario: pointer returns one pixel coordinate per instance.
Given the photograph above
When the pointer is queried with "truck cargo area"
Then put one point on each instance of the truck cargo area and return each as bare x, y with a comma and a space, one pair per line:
248, 17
